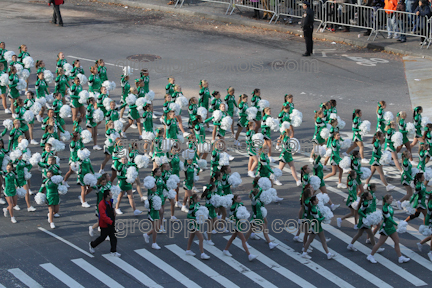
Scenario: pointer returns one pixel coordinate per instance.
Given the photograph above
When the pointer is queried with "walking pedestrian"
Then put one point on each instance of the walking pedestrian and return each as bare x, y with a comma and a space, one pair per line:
57, 18
307, 22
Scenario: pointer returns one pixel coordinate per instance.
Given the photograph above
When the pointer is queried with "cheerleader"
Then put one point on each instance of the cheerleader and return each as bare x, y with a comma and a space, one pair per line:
3, 89
61, 82
109, 144
133, 116
400, 118
13, 82
231, 102
194, 228
94, 81
52, 197
161, 187
242, 122
375, 161
60, 61
264, 169
256, 97
171, 126
219, 132
424, 157
133, 152
165, 107
90, 124
251, 148
304, 176
380, 117
126, 187
19, 113
49, 133
351, 199
204, 97
100, 99
3, 153
153, 214
406, 178
372, 189
317, 140
316, 218
200, 133
318, 171
238, 232
417, 124
334, 161
215, 157
389, 145
101, 70
166, 173
102, 185
116, 156
147, 119
75, 104
125, 92
175, 170
284, 116
157, 145
286, 156
428, 225
46, 153
365, 208
188, 184
75, 145
209, 192
427, 138
192, 110
84, 167
19, 166
170, 87
144, 74
178, 93
76, 69
10, 180
304, 216
333, 130
356, 166
357, 138
112, 114
40, 66
139, 83
21, 56
418, 199
14, 134
56, 106
42, 90
2, 52
265, 130
387, 230
259, 218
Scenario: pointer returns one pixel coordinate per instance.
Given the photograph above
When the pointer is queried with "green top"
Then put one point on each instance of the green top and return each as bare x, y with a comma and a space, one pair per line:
205, 96
41, 88
231, 102
102, 71
95, 83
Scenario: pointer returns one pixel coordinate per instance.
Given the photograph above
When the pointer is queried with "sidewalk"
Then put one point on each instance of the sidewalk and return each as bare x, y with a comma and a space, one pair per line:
243, 16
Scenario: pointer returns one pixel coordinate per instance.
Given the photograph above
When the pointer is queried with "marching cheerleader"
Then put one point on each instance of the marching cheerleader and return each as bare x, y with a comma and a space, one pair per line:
406, 178
126, 187
2, 52
351, 199
19, 166
192, 110
319, 125
75, 145
94, 81
76, 69
259, 217
284, 115
215, 105
139, 83
13, 82
56, 106
264, 169
356, 166
418, 199
52, 197
387, 230
90, 123
357, 138
161, 186
194, 228
116, 156
171, 126
318, 171
3, 89
10, 183
19, 111
424, 156
237, 204
427, 137
417, 124
428, 225
333, 130
146, 80
389, 145
231, 102
125, 92
60, 61
372, 189
209, 192
380, 117
49, 166
47, 153
100, 99
375, 161
84, 167
256, 97
101, 70
3, 153
242, 122
109, 144
400, 118
133, 152
316, 229
112, 114
286, 156
175, 170
188, 184
75, 104
204, 97
153, 214
251, 148
14, 134
42, 90
170, 87
200, 133
334, 161
102, 185
157, 145
288, 101
304, 176
166, 173
178, 93
133, 116
304, 216
147, 118
165, 107
266, 131
40, 66
61, 82
364, 208
220, 133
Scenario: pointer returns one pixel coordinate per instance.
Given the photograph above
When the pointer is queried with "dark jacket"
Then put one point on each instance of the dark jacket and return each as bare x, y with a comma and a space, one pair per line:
106, 214
400, 7
307, 20
424, 10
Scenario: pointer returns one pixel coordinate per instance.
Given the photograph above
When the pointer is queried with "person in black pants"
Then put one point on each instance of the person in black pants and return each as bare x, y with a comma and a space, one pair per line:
307, 23
56, 13
107, 224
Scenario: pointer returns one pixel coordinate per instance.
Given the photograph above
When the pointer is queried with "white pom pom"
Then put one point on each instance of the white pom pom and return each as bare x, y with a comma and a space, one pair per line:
180, 138
57, 145
48, 76
345, 163
174, 107
28, 116
127, 71
23, 144
57, 179
157, 202
328, 152
172, 184
19, 68
386, 158
407, 206
84, 96
131, 99
65, 111
425, 230
296, 113
86, 136
285, 125
323, 198
83, 154
74, 166
67, 69
21, 192
226, 123
5, 162
322, 150
428, 174
277, 173
8, 56
4, 79
107, 102
325, 133
217, 115
266, 197
296, 121
149, 182
40, 198
326, 213
201, 215
263, 212
148, 136
36, 108
273, 123
262, 104
131, 174
242, 213
142, 161
83, 79
373, 218
251, 113
397, 139
27, 155
202, 112
202, 163
341, 123
388, 116
115, 190
411, 130
258, 138
366, 173
15, 154
150, 95
28, 62
425, 121
98, 115
264, 183
62, 189
182, 168
365, 127
402, 227
333, 116
90, 180
234, 180
49, 98
346, 143
35, 159
414, 171
42, 101
25, 74
27, 174
315, 182
223, 159
118, 125
22, 84
182, 102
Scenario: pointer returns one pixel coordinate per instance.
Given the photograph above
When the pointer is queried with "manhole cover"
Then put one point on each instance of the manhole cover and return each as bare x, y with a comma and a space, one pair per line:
143, 58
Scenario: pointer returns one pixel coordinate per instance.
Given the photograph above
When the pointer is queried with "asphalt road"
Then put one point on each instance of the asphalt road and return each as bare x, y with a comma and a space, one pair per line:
191, 49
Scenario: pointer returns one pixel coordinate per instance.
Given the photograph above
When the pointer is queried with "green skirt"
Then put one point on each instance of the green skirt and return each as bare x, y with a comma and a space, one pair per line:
153, 215
53, 198
125, 186
285, 157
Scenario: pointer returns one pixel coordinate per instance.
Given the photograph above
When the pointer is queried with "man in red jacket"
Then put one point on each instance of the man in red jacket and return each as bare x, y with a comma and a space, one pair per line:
56, 13
107, 225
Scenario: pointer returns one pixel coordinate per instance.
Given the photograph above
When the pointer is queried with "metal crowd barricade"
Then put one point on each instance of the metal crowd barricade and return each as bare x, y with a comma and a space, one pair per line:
294, 9
229, 2
430, 33
397, 23
269, 6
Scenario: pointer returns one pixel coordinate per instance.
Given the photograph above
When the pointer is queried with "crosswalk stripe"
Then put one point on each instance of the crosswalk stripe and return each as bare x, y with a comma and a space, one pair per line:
413, 231
60, 275
238, 266
1, 286
24, 278
141, 277
310, 264
274, 265
167, 268
352, 266
108, 281
199, 265
382, 260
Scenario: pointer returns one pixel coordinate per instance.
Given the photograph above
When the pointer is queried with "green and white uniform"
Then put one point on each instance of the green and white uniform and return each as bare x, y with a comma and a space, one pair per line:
75, 90
406, 177
265, 130
125, 89
215, 105
263, 169
85, 167
335, 157
242, 122
319, 125
41, 88
380, 120
52, 195
389, 145
122, 170
315, 214
200, 130
61, 82
231, 102
387, 227
102, 71
219, 131
356, 130
250, 143
205, 97
423, 155
418, 199
363, 211
13, 82
376, 153
285, 155
94, 83
10, 182
417, 123
318, 170
254, 102
352, 192
402, 129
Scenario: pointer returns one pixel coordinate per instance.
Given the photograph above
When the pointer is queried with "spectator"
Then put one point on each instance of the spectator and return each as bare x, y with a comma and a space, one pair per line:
390, 6
255, 3
422, 12
56, 13
366, 15
400, 19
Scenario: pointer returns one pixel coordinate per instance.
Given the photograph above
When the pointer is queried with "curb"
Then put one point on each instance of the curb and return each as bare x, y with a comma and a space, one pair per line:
248, 23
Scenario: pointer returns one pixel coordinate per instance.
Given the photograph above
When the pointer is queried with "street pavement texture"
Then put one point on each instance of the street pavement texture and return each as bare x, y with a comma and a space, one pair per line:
245, 58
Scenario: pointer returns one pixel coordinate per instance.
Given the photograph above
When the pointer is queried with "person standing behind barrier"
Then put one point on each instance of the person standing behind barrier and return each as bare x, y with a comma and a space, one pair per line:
400, 20
56, 13
307, 22
390, 6
366, 15
422, 12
